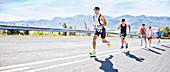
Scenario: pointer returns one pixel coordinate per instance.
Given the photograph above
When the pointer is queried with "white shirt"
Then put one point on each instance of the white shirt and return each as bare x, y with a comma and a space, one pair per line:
97, 21
150, 33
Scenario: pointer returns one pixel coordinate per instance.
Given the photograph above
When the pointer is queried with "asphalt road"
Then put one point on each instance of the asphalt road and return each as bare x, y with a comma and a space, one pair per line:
71, 54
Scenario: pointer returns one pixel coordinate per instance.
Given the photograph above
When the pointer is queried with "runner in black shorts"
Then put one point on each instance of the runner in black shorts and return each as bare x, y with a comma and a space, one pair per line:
102, 33
100, 23
159, 34
123, 33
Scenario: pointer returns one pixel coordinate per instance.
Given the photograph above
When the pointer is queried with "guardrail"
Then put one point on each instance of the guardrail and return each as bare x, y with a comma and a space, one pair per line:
165, 37
47, 29
31, 28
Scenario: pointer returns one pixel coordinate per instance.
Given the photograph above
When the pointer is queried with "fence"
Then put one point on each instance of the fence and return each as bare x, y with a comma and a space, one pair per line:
31, 28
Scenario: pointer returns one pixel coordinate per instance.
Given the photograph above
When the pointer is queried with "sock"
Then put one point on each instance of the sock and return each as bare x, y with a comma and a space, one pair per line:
94, 50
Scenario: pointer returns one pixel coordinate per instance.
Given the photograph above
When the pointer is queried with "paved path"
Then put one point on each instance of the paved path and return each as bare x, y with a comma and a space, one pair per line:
71, 54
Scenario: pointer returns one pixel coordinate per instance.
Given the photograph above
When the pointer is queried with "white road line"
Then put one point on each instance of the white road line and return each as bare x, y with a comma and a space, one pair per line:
54, 66
51, 60
17, 69
165, 43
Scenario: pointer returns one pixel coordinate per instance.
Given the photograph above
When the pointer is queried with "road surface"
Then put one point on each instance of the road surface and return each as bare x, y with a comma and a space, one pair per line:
71, 54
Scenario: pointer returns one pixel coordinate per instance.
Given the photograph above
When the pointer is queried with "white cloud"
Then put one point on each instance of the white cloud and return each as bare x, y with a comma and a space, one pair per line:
48, 9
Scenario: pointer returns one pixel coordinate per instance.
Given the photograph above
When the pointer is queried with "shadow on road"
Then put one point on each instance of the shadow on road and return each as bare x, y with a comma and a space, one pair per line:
152, 51
165, 46
158, 48
107, 65
140, 59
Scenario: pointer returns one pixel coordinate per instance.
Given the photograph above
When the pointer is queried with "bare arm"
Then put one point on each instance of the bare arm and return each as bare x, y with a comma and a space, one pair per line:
153, 33
104, 21
93, 18
129, 28
145, 30
119, 27
94, 25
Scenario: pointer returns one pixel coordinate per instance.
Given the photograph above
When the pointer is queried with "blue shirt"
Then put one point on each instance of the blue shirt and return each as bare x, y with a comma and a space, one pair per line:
158, 33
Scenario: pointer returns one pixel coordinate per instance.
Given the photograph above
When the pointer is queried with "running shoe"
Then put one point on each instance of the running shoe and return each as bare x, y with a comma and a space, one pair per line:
127, 46
109, 45
93, 53
122, 47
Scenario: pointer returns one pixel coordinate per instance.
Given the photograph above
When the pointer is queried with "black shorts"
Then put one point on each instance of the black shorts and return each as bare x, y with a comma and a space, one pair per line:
103, 33
159, 37
123, 34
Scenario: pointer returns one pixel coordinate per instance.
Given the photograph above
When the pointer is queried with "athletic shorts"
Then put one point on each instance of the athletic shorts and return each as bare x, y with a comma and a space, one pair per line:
149, 38
102, 33
159, 37
143, 36
123, 34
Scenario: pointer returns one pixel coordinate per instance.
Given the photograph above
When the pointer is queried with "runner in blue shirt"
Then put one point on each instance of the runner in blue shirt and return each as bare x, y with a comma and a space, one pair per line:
159, 34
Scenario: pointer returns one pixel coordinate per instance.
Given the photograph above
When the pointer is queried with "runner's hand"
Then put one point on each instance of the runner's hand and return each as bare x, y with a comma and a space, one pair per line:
118, 28
94, 27
98, 26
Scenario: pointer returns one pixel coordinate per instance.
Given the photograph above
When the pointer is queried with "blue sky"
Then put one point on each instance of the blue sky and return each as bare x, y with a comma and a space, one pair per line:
11, 10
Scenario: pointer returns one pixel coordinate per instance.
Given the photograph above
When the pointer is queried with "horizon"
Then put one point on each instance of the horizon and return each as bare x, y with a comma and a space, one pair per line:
17, 10
82, 14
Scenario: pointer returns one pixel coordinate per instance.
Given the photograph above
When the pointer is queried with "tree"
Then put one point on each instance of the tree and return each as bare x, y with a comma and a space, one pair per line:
26, 32
85, 25
88, 34
59, 33
41, 33
166, 31
4, 32
74, 32
65, 26
70, 27
13, 32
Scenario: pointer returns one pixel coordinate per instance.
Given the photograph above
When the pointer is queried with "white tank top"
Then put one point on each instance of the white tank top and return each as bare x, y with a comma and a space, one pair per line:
150, 33
97, 21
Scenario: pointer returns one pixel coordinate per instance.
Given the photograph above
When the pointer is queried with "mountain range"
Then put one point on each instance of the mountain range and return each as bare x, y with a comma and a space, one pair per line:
112, 23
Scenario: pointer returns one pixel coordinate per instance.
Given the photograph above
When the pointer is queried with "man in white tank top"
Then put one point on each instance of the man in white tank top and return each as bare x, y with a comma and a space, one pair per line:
100, 23
150, 33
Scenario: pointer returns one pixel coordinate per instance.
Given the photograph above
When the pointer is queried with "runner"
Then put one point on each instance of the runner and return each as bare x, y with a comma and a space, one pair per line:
143, 35
100, 22
159, 34
123, 33
150, 33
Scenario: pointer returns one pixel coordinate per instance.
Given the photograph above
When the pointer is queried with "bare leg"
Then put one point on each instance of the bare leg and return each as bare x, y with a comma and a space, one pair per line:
145, 42
149, 41
122, 41
141, 41
104, 41
94, 41
125, 42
